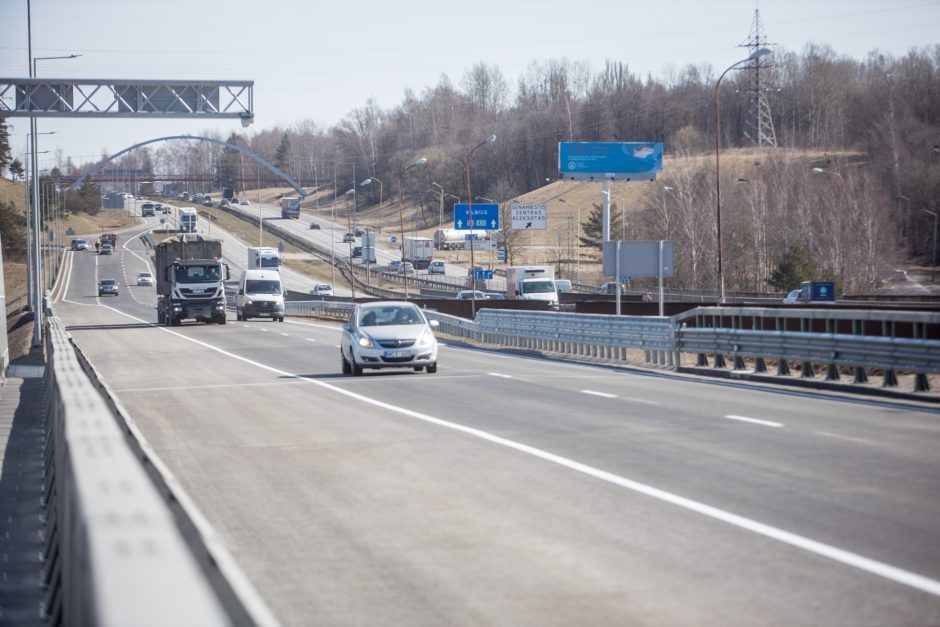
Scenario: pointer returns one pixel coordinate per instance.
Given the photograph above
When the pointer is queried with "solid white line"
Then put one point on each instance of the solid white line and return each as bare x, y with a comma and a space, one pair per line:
848, 558
285, 334
756, 421
601, 394
500, 375
308, 339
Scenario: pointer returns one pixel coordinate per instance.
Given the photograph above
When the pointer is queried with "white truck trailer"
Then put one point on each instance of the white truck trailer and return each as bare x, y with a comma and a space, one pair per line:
419, 251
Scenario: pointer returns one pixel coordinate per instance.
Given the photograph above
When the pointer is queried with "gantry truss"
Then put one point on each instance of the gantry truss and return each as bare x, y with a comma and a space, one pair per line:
122, 98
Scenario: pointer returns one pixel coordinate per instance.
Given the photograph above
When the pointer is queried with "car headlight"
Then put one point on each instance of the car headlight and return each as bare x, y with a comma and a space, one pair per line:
365, 341
426, 338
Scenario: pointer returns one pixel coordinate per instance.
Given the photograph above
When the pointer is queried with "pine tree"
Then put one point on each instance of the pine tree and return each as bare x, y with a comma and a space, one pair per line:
593, 229
796, 266
17, 171
12, 231
282, 154
5, 158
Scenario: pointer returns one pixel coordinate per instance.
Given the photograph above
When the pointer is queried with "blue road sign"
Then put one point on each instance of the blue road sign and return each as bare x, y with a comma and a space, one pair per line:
610, 160
501, 254
483, 275
471, 236
484, 216
394, 239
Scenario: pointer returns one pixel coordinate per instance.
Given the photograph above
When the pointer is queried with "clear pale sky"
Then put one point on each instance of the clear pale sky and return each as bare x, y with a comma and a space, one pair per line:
318, 61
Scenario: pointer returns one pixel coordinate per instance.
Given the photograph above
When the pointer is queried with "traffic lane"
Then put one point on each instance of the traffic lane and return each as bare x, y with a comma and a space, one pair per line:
398, 517
863, 421
821, 487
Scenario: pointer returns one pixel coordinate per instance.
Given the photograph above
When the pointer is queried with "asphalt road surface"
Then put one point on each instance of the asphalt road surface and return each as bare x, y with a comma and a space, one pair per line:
505, 490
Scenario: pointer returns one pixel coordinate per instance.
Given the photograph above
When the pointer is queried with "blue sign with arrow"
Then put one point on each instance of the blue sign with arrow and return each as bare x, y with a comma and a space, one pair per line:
484, 275
468, 217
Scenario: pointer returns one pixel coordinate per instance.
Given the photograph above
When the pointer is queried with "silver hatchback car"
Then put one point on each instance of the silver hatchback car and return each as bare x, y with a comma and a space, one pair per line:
388, 334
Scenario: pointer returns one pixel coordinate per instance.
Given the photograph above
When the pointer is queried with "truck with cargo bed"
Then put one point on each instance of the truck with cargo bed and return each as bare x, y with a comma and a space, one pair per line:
190, 275
290, 208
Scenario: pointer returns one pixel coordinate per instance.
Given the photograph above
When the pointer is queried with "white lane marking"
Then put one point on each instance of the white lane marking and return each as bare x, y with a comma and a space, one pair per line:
285, 334
640, 400
756, 421
336, 345
262, 329
601, 394
206, 387
312, 324
846, 438
842, 556
500, 375
308, 339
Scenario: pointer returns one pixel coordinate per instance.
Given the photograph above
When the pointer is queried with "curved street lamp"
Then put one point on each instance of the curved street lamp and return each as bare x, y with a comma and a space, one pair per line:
369, 181
473, 274
401, 216
760, 52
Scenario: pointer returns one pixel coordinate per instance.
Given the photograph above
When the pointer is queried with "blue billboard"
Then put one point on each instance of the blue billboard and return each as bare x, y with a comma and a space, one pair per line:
619, 161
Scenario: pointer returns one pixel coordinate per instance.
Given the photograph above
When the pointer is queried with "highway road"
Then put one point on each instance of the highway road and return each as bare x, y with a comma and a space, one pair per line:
506, 490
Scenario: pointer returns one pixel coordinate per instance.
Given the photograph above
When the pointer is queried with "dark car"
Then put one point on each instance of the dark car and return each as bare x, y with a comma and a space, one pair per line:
314, 226
107, 287
357, 251
359, 232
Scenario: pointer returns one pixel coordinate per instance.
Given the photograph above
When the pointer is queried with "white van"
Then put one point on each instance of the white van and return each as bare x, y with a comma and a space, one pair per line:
260, 295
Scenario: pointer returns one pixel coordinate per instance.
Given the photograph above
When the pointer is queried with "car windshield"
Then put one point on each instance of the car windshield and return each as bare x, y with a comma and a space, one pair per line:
263, 286
382, 316
106, 282
538, 287
144, 275
196, 274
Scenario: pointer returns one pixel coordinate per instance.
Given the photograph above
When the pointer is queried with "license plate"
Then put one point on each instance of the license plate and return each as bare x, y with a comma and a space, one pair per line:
394, 354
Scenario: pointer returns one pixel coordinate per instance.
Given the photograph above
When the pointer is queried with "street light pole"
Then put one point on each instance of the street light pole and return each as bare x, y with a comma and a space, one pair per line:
37, 243
760, 52
401, 217
577, 242
934, 214
473, 274
440, 211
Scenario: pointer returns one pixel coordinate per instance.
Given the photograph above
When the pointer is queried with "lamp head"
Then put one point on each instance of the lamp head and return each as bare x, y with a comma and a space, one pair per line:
760, 52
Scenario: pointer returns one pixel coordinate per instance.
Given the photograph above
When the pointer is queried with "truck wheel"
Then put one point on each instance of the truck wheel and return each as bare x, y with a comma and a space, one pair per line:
221, 320
175, 321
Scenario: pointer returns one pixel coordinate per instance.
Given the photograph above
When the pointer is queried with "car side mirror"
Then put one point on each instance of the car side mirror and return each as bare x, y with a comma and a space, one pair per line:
241, 292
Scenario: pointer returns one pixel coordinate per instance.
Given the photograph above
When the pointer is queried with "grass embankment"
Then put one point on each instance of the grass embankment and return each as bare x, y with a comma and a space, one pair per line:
293, 257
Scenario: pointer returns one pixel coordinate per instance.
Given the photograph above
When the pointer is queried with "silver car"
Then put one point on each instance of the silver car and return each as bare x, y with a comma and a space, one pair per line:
388, 334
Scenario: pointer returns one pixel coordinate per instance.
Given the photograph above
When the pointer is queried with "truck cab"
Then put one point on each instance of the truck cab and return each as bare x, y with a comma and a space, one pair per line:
532, 283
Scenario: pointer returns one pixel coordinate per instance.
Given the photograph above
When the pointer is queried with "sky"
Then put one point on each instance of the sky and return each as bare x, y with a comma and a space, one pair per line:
318, 61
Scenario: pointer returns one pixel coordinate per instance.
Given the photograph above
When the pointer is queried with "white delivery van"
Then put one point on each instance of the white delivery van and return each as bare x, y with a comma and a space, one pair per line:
260, 295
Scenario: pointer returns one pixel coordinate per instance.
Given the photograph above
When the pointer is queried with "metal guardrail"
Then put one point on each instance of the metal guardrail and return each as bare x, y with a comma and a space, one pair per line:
764, 334
125, 544
710, 330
